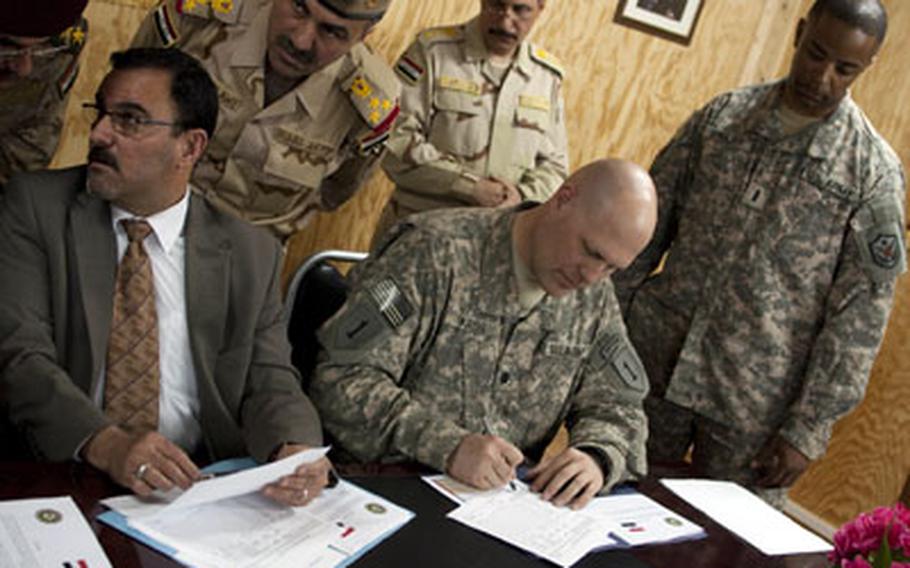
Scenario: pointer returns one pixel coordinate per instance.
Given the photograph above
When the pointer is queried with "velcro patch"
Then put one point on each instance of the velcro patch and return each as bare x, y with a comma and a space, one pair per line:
384, 309
615, 355
880, 239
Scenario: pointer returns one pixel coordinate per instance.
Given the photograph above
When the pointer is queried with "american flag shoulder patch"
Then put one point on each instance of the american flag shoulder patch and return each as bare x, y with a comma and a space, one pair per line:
391, 302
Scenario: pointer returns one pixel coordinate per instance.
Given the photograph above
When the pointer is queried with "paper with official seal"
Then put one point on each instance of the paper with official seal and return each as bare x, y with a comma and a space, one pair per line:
247, 530
47, 532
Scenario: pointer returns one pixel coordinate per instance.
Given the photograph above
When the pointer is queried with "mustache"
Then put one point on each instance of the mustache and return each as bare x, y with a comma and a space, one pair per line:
302, 56
502, 32
102, 156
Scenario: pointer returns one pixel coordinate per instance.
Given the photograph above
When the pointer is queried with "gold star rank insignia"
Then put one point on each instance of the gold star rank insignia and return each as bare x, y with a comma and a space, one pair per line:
361, 88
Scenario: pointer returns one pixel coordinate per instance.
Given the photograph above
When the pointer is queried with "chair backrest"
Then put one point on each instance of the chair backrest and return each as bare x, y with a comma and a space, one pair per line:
316, 292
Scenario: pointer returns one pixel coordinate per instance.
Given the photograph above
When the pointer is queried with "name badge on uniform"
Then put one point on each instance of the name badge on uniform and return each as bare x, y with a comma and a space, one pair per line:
535, 102
459, 84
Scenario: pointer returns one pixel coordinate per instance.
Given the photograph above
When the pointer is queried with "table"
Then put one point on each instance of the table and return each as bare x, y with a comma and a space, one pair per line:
428, 540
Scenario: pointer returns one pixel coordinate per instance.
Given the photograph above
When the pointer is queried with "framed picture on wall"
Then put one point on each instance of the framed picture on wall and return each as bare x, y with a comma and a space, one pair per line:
671, 19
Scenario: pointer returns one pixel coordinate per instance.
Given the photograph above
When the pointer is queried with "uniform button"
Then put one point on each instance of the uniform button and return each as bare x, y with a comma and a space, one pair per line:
504, 378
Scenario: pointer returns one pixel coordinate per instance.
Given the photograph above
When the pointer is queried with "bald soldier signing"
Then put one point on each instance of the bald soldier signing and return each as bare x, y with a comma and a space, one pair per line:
471, 334
40, 43
305, 106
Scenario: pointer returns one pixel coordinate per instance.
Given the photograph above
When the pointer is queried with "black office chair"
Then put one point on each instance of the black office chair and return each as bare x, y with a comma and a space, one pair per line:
316, 292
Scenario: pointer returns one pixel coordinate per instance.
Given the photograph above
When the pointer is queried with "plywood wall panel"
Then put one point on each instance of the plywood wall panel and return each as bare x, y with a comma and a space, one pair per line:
112, 24
626, 93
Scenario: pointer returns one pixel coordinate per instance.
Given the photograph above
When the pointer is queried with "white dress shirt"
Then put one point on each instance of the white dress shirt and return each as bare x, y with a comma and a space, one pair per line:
178, 400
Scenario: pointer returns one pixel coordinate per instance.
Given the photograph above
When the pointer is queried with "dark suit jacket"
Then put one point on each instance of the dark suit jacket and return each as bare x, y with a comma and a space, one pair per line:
57, 269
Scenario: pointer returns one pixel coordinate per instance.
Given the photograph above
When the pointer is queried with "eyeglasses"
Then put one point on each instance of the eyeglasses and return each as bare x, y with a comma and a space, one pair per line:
519, 10
35, 51
125, 122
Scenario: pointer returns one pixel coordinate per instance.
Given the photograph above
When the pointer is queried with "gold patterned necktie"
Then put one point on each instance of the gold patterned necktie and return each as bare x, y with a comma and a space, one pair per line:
132, 373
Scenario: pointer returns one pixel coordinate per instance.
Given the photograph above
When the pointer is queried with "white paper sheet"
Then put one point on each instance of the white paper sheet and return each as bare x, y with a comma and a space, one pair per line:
47, 532
639, 520
243, 482
743, 513
523, 519
459, 493
251, 531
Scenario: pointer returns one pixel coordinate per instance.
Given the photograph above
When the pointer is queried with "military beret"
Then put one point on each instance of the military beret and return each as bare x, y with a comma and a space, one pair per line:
39, 18
357, 9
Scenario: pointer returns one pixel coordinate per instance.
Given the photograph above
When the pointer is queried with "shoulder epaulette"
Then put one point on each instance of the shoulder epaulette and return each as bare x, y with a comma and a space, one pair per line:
74, 37
225, 11
373, 90
547, 59
445, 33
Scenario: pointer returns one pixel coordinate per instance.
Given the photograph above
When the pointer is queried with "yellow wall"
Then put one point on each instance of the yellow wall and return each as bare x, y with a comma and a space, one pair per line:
626, 93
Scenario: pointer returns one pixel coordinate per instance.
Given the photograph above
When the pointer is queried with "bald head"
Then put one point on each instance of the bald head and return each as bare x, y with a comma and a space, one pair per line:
620, 195
597, 222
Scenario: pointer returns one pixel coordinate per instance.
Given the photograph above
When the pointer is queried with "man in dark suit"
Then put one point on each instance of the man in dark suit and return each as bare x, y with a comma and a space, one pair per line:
217, 382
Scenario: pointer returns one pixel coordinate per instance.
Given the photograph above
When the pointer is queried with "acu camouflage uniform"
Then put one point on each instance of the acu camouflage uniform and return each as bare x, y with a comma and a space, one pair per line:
32, 108
461, 121
433, 345
783, 254
310, 149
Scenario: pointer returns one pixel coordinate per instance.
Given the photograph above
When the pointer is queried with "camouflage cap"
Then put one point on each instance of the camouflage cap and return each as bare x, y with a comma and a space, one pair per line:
357, 9
39, 18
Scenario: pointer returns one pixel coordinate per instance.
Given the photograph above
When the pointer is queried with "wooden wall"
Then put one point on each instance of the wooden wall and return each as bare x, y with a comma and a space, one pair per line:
626, 93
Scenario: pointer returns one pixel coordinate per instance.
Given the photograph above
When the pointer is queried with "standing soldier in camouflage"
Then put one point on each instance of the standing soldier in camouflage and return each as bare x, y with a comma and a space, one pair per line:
40, 42
471, 335
305, 106
781, 220
482, 116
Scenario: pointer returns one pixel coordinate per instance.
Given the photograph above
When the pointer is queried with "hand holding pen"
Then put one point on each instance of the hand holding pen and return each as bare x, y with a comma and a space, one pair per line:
485, 461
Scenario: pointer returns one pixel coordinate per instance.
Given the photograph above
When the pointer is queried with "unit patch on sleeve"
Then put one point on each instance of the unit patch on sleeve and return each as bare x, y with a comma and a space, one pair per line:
383, 310
614, 355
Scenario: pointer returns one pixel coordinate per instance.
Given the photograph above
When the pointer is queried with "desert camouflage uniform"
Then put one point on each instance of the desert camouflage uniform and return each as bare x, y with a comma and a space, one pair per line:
461, 121
310, 149
783, 255
433, 345
32, 108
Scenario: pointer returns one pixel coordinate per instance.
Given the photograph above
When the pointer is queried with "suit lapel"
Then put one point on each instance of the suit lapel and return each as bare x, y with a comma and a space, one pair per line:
96, 264
208, 263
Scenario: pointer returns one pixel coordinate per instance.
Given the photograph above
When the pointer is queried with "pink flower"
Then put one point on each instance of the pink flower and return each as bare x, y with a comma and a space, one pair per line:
856, 543
860, 562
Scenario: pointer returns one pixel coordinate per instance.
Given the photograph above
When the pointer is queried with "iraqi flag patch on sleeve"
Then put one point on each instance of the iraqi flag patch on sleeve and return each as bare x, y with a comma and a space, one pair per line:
408, 69
167, 32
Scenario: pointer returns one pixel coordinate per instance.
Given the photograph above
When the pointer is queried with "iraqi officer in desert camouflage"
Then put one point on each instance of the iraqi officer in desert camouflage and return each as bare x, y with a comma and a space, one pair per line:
40, 43
471, 334
305, 106
781, 217
482, 116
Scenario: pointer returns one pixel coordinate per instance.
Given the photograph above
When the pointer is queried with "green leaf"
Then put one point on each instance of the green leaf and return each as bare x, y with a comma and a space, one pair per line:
883, 556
